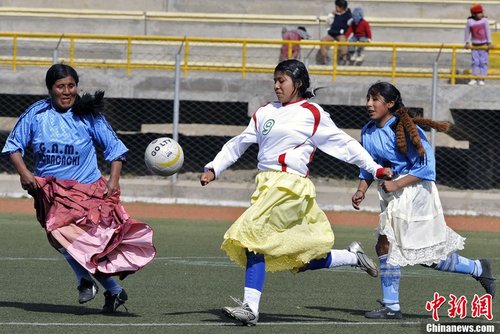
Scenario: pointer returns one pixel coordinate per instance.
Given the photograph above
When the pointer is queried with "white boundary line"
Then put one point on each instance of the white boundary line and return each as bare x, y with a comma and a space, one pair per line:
212, 324
226, 324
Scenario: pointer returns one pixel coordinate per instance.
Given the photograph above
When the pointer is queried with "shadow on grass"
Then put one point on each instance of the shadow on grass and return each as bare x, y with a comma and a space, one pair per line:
263, 317
64, 309
361, 313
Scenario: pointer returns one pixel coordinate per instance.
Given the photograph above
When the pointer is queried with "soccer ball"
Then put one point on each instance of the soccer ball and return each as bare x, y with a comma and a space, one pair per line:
164, 156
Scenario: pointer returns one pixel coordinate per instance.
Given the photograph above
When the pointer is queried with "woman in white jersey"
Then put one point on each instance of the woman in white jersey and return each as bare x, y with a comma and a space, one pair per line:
79, 209
284, 228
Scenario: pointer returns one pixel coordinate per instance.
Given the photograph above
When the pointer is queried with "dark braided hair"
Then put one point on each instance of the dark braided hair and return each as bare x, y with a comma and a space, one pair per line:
89, 104
85, 104
59, 71
296, 70
405, 122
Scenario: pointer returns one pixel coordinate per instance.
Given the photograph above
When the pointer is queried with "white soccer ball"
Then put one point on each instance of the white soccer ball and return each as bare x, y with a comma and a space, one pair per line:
164, 156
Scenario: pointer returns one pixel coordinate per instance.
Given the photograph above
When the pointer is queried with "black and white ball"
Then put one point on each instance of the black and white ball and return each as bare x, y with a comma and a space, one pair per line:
164, 156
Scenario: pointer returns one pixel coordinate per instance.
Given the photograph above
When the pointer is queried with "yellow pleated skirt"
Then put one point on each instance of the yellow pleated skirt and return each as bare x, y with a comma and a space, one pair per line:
284, 223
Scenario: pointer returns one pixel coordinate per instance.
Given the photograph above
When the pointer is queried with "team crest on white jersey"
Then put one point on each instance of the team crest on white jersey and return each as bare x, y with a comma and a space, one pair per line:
267, 126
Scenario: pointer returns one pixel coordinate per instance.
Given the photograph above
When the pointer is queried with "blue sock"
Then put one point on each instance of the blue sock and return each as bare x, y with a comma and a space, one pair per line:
256, 271
320, 264
390, 276
109, 284
79, 270
457, 264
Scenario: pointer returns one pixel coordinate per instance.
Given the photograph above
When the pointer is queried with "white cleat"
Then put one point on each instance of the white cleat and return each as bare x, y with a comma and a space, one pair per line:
364, 262
241, 313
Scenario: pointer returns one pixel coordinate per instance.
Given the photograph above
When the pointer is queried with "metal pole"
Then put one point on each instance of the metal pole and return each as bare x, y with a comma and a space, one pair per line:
434, 97
54, 56
175, 121
55, 52
433, 110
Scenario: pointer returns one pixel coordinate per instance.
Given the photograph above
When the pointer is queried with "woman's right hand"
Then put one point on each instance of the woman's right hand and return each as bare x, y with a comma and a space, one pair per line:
357, 198
207, 177
28, 182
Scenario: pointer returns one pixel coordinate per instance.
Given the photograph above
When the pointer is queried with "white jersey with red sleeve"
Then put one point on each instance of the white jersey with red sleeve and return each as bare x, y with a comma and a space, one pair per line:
288, 136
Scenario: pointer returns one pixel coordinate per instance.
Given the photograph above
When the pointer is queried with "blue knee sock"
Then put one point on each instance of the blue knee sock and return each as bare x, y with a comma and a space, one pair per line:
458, 264
79, 270
109, 284
390, 276
320, 264
256, 271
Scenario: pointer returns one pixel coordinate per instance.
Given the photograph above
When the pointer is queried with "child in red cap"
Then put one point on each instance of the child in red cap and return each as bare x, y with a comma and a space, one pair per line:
477, 33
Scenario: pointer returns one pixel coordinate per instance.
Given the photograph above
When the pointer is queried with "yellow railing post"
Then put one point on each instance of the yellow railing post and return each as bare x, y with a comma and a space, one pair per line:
14, 52
72, 51
394, 64
244, 61
129, 56
186, 57
289, 56
453, 65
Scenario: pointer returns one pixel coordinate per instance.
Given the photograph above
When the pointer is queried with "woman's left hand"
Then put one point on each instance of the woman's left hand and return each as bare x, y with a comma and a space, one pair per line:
390, 186
113, 188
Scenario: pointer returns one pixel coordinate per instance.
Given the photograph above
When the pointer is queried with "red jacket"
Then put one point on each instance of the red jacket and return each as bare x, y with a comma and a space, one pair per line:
362, 29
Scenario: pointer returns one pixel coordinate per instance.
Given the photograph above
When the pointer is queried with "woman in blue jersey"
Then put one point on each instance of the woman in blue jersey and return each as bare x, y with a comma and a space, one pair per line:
79, 209
284, 228
412, 229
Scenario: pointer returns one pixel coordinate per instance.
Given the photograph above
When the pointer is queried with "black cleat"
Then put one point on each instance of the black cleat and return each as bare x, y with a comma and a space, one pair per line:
383, 313
87, 290
112, 302
486, 278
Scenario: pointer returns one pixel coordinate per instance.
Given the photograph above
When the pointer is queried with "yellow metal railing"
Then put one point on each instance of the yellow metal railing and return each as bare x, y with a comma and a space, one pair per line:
210, 54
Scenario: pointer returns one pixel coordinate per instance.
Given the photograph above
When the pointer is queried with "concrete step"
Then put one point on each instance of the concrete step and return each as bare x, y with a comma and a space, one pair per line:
376, 8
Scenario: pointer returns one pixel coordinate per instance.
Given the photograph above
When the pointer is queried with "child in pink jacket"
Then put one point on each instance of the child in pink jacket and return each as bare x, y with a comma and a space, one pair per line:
477, 33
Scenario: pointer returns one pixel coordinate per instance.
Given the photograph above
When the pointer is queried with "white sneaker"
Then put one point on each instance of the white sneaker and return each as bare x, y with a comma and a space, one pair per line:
360, 58
241, 313
364, 262
472, 82
480, 82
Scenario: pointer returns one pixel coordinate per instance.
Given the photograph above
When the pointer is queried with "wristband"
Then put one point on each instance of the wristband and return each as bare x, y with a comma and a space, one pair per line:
380, 173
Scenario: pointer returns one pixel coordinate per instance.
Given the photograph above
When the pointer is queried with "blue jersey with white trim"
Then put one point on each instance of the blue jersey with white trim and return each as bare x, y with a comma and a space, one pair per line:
382, 146
64, 143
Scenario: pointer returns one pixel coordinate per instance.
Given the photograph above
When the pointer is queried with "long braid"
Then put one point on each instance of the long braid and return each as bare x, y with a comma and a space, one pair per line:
407, 124
438, 126
401, 137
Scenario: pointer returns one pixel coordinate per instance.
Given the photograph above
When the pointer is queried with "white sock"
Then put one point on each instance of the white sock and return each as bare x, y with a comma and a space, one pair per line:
342, 257
252, 298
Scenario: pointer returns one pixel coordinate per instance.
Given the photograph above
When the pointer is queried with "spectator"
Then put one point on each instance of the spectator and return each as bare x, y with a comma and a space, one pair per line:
292, 35
477, 33
341, 20
361, 31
